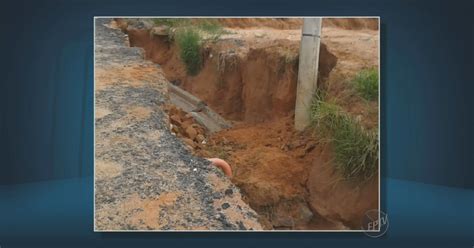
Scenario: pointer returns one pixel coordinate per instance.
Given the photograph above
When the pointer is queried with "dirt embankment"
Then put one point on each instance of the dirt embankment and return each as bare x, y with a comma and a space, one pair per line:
288, 177
238, 82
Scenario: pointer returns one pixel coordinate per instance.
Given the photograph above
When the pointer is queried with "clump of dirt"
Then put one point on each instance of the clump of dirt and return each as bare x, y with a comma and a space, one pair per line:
184, 126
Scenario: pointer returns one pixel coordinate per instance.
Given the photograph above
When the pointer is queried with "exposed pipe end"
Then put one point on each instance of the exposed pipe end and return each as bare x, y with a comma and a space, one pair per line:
223, 165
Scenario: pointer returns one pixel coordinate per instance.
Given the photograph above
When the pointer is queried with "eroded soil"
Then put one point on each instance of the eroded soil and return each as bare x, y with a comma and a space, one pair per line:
249, 76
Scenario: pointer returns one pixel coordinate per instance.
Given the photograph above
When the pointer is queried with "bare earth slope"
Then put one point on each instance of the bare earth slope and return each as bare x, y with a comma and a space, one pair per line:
145, 178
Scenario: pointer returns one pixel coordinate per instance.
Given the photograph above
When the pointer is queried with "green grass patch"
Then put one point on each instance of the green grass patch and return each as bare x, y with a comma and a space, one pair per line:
189, 42
171, 22
355, 149
367, 83
190, 35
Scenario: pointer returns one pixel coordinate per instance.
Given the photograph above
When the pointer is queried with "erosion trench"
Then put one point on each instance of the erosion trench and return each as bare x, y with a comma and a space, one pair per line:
286, 176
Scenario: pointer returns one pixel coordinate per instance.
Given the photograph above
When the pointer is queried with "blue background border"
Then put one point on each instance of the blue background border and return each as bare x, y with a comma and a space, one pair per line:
46, 130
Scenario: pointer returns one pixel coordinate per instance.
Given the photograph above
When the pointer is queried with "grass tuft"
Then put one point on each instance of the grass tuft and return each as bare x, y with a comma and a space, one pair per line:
356, 149
190, 34
367, 83
189, 42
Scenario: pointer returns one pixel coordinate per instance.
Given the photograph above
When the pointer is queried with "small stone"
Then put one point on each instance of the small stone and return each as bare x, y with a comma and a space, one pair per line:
225, 205
200, 138
217, 195
185, 124
191, 132
229, 192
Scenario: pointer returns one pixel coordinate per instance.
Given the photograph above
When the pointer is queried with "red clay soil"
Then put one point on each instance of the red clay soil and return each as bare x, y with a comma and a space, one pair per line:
271, 164
289, 179
276, 170
255, 87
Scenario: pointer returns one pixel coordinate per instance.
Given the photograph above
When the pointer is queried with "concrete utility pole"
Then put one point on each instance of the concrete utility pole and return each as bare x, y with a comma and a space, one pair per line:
307, 71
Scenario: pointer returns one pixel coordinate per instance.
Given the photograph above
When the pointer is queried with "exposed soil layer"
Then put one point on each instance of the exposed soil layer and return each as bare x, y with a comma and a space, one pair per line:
249, 76
296, 23
238, 82
336, 198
